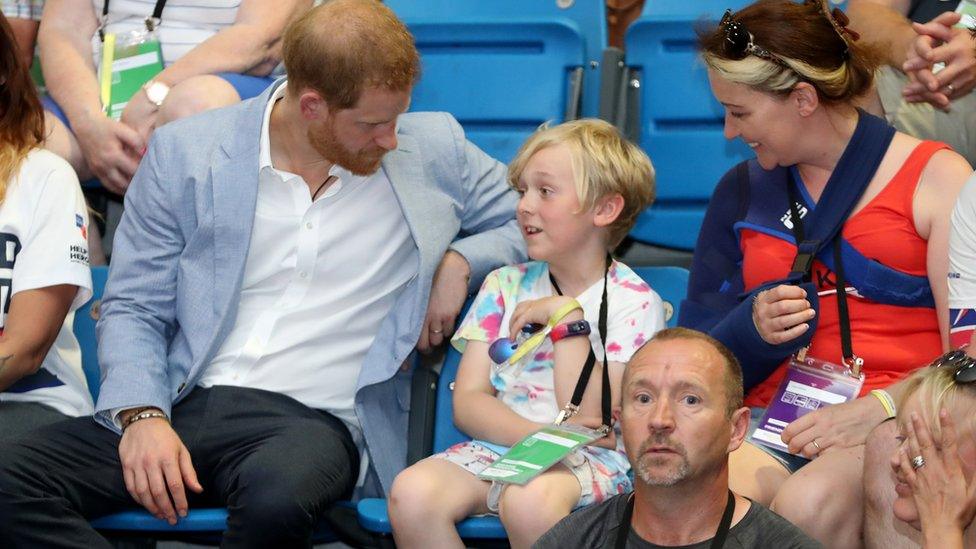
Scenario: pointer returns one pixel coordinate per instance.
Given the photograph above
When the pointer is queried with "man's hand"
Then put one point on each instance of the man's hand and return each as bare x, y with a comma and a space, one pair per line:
447, 295
781, 313
156, 467
938, 42
841, 426
111, 149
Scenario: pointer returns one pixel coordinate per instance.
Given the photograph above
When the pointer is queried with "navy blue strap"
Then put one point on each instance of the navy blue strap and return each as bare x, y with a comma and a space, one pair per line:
879, 282
854, 170
38, 380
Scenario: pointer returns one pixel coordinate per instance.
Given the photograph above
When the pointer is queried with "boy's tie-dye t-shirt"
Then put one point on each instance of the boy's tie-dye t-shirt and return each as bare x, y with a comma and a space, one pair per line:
634, 314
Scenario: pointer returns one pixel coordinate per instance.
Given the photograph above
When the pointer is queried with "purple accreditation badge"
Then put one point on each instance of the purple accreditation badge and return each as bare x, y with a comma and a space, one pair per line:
810, 384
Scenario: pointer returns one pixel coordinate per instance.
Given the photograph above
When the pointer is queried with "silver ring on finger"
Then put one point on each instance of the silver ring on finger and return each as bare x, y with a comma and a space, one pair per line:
950, 88
918, 462
817, 446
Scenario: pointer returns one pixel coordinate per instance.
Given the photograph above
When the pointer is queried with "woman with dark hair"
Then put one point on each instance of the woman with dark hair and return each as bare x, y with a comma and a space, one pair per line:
44, 273
836, 234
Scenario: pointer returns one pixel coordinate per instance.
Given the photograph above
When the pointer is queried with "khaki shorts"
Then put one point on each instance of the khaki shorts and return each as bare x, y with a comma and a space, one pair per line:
957, 128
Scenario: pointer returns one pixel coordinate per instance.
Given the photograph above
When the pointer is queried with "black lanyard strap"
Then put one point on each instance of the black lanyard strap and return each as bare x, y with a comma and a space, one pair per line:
151, 22
587, 370
847, 348
717, 542
803, 262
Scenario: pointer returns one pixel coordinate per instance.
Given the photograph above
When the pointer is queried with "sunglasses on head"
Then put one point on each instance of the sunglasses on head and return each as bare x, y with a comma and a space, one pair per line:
963, 364
838, 19
739, 42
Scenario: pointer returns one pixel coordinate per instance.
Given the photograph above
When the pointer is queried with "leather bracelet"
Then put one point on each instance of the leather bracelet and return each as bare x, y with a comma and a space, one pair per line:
144, 415
570, 329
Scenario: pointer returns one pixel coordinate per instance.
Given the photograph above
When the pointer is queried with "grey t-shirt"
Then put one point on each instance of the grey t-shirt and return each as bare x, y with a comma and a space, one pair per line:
596, 527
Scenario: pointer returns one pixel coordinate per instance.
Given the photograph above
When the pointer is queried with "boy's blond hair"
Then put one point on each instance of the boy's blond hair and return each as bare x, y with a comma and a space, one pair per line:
604, 163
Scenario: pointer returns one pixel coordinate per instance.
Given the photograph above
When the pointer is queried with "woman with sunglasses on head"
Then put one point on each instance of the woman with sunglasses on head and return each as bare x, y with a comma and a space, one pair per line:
789, 75
44, 273
934, 464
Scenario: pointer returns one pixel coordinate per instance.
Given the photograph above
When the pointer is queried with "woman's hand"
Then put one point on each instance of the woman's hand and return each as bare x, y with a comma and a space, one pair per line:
112, 150
781, 313
841, 426
539, 311
945, 500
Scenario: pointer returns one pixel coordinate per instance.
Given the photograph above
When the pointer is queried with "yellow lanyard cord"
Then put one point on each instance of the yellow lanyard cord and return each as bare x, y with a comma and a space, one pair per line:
537, 338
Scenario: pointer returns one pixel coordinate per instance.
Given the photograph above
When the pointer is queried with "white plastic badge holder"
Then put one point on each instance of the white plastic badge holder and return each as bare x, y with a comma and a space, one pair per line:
810, 384
134, 58
536, 453
968, 10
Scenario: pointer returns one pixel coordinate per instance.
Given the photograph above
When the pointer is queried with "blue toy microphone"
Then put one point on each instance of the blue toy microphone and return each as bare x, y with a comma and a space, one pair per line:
503, 348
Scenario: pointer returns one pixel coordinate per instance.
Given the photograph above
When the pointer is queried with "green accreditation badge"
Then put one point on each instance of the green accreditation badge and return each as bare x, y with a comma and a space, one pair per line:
968, 10
536, 453
135, 58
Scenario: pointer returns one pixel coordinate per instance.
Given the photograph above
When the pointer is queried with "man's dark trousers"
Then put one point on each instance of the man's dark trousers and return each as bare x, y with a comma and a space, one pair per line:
275, 463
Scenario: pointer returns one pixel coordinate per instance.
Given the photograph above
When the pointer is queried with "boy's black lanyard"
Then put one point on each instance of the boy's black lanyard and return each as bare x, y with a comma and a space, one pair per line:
573, 406
717, 542
152, 21
852, 361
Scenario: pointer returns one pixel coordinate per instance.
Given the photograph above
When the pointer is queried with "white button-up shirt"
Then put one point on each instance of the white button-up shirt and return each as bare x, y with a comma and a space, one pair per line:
320, 277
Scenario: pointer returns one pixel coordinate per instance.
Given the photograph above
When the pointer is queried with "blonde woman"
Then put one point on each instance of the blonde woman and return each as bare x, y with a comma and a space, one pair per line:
44, 273
935, 463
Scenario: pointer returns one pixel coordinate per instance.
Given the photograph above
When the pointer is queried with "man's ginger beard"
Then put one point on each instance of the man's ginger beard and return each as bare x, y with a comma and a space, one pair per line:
324, 139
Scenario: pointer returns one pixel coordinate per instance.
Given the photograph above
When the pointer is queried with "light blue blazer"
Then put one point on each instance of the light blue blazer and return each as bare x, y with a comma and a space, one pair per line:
179, 254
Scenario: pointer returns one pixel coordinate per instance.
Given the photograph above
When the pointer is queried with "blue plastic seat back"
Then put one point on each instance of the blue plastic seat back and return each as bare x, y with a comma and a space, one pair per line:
588, 16
446, 434
500, 79
681, 124
84, 329
671, 283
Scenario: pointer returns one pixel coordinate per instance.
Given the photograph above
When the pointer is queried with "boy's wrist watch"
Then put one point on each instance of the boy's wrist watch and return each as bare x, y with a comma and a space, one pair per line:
570, 329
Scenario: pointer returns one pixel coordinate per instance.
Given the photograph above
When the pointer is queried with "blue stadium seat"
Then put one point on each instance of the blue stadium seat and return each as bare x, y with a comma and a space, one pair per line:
501, 78
198, 525
681, 124
588, 16
671, 283
197, 521
84, 330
